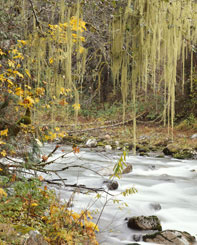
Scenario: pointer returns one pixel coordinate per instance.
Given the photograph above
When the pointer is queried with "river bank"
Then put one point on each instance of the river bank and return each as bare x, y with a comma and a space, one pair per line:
151, 140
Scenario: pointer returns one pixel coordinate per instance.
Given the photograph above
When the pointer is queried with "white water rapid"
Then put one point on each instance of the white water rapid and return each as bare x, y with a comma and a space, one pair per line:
166, 188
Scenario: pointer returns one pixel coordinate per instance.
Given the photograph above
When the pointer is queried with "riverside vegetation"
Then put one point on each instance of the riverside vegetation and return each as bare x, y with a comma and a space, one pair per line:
123, 72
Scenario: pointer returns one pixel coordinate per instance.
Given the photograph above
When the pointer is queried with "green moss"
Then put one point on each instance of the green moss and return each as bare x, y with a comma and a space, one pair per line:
185, 154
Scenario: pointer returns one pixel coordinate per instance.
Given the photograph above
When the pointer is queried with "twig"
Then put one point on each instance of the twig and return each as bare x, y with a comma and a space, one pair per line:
77, 166
88, 188
34, 12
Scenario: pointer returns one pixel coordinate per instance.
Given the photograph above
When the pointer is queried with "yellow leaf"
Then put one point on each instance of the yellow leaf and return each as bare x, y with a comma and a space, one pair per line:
10, 82
2, 142
19, 91
4, 132
3, 153
28, 73
15, 51
11, 63
81, 49
1, 169
18, 73
57, 129
23, 42
1, 52
76, 107
34, 204
51, 60
2, 193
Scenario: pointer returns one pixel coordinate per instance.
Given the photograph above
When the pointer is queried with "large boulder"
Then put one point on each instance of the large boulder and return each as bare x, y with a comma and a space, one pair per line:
170, 237
144, 223
171, 149
177, 152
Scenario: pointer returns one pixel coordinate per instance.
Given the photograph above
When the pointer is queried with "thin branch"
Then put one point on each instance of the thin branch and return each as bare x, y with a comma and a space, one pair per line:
34, 12
77, 166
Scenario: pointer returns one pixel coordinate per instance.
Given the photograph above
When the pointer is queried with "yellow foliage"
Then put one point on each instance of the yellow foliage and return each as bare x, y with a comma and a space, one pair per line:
28, 73
19, 91
4, 132
51, 60
76, 107
3, 153
40, 91
1, 52
11, 63
27, 102
23, 42
2, 193
34, 204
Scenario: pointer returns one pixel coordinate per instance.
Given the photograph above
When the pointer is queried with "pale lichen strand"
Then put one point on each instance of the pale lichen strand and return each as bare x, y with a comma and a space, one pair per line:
160, 34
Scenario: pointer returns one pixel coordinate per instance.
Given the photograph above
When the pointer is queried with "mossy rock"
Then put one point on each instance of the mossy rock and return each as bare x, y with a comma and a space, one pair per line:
183, 154
142, 148
144, 223
171, 149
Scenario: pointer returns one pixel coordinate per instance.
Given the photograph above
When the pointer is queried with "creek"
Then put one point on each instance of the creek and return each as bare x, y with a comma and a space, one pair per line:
166, 188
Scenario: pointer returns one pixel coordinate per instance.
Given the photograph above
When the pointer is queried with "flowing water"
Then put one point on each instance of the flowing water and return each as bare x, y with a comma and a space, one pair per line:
166, 188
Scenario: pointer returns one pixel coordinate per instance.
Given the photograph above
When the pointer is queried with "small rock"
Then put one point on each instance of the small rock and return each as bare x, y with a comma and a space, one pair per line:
91, 143
169, 237
107, 137
128, 169
137, 237
155, 206
144, 223
117, 143
194, 136
111, 184
108, 148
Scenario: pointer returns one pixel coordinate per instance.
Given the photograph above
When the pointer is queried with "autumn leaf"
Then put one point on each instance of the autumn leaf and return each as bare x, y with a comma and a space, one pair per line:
3, 153
76, 149
28, 73
4, 133
63, 102
13, 179
76, 107
34, 204
40, 178
2, 193
44, 158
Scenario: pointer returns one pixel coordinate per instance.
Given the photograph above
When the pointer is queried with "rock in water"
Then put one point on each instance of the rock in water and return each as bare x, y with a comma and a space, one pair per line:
91, 143
170, 237
144, 223
108, 148
111, 184
128, 169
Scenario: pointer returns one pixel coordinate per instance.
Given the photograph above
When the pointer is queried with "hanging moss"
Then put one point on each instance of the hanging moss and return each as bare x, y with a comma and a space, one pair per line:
152, 36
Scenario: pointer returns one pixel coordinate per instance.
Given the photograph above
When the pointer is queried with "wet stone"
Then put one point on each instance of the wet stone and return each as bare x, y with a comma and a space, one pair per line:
169, 237
144, 223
